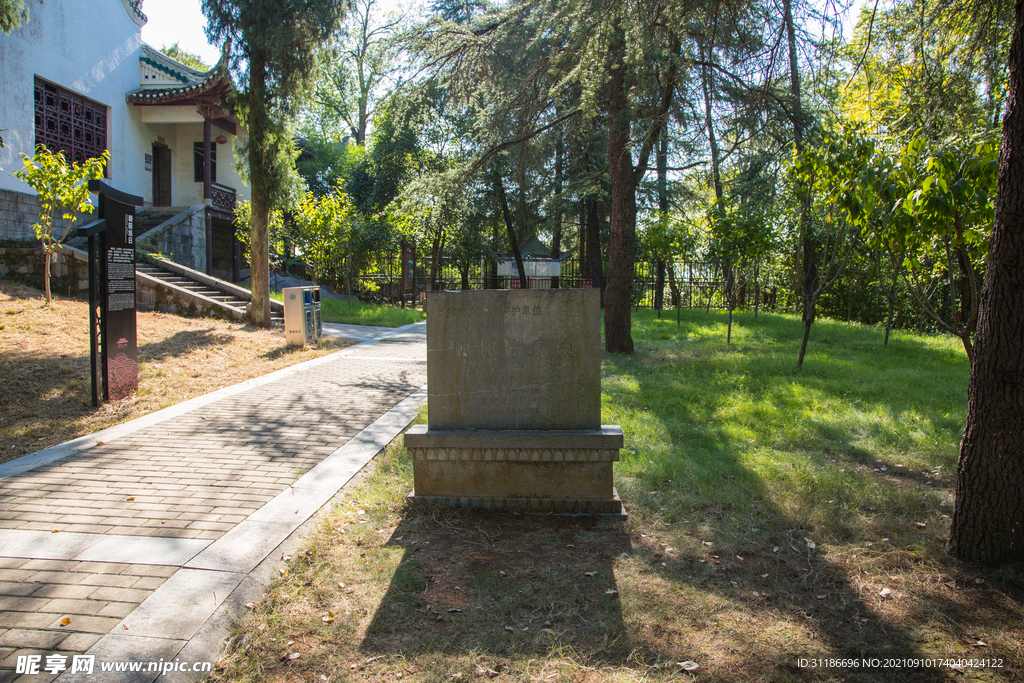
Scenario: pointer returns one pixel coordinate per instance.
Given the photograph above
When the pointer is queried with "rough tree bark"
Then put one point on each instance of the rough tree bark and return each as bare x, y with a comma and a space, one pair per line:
622, 247
988, 521
661, 162
556, 233
506, 215
624, 177
259, 236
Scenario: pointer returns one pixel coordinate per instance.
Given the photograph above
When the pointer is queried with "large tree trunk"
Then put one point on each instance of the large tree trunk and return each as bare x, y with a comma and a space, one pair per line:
988, 521
594, 260
556, 236
890, 299
259, 237
808, 266
499, 190
622, 248
661, 161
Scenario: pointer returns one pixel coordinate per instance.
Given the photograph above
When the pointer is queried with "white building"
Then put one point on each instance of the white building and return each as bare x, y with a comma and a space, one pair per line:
78, 78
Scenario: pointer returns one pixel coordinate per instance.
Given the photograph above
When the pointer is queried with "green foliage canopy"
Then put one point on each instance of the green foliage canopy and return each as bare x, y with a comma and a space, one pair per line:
63, 193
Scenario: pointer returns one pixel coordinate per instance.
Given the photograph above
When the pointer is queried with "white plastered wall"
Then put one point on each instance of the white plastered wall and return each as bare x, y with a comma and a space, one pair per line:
186, 191
91, 48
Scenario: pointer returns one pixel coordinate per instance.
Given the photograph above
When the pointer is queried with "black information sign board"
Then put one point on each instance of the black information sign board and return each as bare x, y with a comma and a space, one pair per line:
115, 354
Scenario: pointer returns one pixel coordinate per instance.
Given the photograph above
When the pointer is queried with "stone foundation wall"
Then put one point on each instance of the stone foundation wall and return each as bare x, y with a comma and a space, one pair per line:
182, 240
69, 271
18, 211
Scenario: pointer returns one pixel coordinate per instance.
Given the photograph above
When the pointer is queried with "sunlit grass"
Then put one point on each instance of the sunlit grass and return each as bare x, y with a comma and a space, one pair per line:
774, 513
743, 425
359, 313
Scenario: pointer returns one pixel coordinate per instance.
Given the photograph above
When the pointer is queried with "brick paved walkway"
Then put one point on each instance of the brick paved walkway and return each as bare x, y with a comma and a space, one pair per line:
196, 500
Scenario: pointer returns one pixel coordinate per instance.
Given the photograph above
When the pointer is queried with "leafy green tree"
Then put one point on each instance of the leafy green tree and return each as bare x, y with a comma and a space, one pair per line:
826, 177
278, 233
931, 217
951, 204
63, 193
185, 57
668, 238
323, 230
738, 234
361, 59
931, 68
276, 41
12, 14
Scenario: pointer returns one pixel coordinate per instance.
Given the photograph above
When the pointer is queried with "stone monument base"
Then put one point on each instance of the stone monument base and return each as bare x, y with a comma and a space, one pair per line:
556, 471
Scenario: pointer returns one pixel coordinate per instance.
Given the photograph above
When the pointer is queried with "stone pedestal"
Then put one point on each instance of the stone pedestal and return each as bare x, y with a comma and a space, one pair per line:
514, 404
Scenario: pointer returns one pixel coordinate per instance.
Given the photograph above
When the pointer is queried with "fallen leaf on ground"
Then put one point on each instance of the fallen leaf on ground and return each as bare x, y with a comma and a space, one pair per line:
885, 592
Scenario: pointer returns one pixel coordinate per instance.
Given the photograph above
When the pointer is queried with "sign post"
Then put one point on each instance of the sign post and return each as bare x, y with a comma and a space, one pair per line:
113, 338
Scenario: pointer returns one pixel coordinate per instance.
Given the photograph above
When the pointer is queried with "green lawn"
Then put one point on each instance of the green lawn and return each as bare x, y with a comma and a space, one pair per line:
775, 515
359, 313
706, 424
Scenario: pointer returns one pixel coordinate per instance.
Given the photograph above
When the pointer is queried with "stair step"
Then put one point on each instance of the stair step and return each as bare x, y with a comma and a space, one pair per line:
225, 299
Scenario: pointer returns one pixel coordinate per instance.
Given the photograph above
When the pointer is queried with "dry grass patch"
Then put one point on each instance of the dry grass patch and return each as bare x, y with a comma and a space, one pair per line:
44, 352
775, 515
385, 591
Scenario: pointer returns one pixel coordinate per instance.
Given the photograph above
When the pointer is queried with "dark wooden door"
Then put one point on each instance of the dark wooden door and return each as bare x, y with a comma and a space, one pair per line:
161, 175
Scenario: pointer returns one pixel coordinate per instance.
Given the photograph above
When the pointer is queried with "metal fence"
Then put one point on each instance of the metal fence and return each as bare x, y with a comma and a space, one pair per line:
696, 283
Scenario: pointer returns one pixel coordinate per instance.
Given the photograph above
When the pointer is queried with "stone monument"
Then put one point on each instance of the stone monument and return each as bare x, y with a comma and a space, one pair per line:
514, 404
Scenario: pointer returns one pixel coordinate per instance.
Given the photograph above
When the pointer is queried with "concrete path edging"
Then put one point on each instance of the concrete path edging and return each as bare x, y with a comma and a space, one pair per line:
190, 614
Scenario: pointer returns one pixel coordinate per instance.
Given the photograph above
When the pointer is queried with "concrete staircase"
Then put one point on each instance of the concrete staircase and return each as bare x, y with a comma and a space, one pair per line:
199, 290
150, 217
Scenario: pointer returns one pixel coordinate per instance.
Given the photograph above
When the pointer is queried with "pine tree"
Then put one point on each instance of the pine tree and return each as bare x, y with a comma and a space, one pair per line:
276, 41
988, 521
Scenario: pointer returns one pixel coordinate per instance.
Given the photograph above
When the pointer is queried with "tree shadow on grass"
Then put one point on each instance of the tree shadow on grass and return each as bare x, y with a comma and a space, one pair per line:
181, 343
37, 389
738, 546
487, 586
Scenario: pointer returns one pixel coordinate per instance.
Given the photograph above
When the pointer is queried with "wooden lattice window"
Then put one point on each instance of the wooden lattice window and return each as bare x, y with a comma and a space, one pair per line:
69, 123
